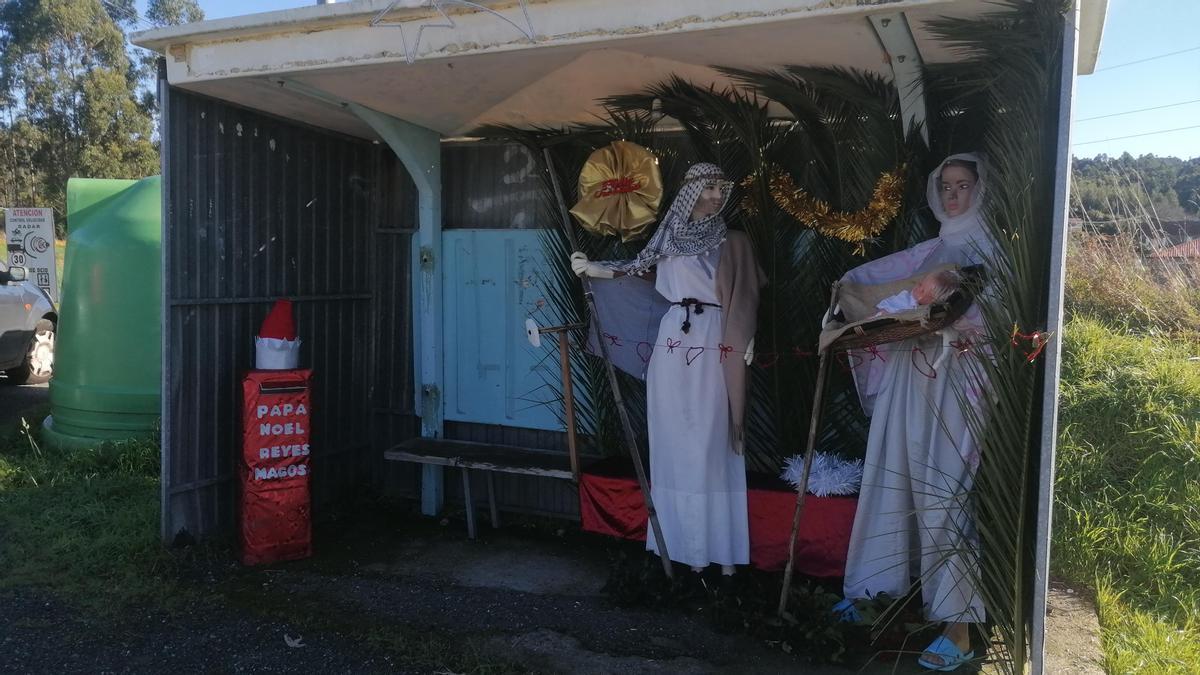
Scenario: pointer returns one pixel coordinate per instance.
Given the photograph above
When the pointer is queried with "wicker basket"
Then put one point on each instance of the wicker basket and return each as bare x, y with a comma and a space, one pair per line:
886, 329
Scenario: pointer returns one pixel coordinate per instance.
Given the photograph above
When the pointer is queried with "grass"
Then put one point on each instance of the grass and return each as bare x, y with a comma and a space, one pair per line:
83, 523
1128, 495
1127, 519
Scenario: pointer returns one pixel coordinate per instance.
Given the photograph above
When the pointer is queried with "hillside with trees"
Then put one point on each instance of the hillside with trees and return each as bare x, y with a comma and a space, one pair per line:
1108, 189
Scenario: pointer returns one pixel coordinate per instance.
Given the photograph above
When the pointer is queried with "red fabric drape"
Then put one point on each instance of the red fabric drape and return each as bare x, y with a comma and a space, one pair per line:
610, 503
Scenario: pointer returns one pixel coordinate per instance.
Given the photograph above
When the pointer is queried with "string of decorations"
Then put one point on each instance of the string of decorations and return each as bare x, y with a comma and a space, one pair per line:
1031, 345
855, 227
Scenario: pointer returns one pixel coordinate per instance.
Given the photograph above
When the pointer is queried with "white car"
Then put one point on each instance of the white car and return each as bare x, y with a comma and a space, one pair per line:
28, 320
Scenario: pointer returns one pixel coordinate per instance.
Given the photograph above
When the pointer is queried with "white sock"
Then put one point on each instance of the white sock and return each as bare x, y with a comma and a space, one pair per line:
728, 570
697, 570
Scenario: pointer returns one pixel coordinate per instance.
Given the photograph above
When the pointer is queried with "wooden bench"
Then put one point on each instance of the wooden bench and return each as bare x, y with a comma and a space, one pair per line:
487, 457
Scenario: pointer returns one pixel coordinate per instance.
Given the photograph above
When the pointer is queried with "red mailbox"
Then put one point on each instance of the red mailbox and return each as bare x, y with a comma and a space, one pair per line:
275, 468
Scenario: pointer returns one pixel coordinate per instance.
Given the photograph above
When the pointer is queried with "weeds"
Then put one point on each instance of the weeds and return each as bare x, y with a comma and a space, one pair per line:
1127, 519
1113, 277
1128, 492
82, 522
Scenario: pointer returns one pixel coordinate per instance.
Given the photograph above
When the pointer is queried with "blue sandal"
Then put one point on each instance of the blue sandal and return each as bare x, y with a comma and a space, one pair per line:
944, 648
847, 612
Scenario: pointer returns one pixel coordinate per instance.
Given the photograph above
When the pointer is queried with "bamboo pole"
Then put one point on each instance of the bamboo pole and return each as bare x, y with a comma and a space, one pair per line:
814, 428
626, 425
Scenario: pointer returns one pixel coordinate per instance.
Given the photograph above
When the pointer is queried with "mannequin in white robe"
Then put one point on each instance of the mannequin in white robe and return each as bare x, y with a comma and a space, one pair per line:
697, 470
913, 521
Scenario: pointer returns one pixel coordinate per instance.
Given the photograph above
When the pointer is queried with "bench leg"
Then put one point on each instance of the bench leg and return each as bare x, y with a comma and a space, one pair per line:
431, 489
470, 504
491, 479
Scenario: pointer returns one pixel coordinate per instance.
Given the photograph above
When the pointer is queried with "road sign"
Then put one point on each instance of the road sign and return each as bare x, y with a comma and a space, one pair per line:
30, 234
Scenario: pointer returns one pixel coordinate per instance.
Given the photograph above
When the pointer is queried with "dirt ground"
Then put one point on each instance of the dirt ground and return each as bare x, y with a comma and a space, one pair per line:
400, 593
1072, 633
390, 591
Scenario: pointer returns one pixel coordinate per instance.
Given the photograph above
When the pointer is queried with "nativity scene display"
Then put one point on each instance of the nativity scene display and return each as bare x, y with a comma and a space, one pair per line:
808, 345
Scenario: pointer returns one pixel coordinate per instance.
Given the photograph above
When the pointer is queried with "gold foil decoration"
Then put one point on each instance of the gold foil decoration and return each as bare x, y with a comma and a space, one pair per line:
620, 189
855, 227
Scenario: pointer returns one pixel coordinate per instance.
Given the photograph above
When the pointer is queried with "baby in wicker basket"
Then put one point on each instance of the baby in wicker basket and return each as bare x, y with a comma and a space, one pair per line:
933, 287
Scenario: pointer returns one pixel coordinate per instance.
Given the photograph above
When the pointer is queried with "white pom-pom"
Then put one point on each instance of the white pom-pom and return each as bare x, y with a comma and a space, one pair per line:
830, 474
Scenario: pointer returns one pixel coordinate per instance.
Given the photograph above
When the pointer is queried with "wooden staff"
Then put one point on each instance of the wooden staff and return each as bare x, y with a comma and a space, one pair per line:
569, 399
564, 360
813, 430
627, 427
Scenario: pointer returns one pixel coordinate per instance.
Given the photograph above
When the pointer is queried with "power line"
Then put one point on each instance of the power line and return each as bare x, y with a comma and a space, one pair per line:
1148, 133
1130, 112
1148, 58
128, 14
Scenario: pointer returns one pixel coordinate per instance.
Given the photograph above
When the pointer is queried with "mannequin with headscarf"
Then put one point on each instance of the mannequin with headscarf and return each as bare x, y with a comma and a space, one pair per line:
703, 315
913, 520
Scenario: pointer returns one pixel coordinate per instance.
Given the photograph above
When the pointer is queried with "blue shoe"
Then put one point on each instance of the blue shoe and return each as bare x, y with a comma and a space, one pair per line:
847, 612
951, 656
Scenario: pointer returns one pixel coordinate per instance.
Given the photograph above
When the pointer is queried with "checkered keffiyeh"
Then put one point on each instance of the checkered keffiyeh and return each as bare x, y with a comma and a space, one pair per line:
677, 234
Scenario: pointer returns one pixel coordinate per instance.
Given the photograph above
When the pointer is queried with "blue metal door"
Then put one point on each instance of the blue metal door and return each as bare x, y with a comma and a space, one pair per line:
494, 281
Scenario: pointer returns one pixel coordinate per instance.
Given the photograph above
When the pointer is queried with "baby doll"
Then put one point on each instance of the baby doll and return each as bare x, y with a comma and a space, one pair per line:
933, 287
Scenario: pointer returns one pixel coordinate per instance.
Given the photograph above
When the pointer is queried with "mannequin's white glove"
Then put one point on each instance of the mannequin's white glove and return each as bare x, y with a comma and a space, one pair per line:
750, 353
582, 267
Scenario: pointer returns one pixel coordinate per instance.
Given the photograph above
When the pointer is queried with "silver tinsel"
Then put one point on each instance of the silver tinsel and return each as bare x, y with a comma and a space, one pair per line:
830, 475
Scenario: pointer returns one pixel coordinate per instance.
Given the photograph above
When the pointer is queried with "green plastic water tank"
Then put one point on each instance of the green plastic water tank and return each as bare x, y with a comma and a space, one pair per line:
107, 365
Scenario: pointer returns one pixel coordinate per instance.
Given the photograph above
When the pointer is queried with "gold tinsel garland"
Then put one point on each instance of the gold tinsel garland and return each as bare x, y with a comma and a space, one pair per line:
855, 227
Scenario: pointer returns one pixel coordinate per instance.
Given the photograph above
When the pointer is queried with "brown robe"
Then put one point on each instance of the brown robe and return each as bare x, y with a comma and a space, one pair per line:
739, 279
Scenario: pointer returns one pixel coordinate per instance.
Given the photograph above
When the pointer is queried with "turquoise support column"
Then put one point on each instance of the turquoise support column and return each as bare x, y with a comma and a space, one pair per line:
420, 151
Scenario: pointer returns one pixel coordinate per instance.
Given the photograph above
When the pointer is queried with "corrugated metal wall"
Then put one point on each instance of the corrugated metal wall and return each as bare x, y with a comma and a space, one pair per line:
258, 208
490, 186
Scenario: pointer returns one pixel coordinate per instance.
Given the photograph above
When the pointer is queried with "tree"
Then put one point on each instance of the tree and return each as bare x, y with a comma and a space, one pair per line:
173, 12
1109, 189
1187, 187
69, 89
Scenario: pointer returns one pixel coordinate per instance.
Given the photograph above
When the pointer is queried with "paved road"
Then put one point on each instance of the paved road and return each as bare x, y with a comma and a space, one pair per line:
16, 400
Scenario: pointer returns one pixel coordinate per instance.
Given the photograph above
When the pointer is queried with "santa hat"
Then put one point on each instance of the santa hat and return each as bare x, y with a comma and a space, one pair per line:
276, 347
279, 323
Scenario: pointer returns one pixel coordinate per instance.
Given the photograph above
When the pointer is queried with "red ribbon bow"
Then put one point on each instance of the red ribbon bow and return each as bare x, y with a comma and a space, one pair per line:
875, 353
1038, 340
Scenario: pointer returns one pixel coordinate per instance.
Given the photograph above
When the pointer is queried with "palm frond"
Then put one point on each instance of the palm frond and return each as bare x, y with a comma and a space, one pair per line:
1004, 88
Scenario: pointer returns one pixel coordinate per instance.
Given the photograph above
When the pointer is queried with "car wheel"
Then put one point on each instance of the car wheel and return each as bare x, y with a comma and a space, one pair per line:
38, 365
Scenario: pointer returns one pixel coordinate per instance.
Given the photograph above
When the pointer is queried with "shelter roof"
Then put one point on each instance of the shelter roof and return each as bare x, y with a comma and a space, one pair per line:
485, 69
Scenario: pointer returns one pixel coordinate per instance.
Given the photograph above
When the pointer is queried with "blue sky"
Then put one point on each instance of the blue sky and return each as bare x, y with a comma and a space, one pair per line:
1135, 30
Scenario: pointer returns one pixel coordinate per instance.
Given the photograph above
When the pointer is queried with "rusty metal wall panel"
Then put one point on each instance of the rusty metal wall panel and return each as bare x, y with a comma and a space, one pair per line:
489, 185
257, 208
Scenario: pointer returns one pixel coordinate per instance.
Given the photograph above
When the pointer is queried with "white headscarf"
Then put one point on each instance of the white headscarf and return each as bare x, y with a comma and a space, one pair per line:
967, 233
678, 234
